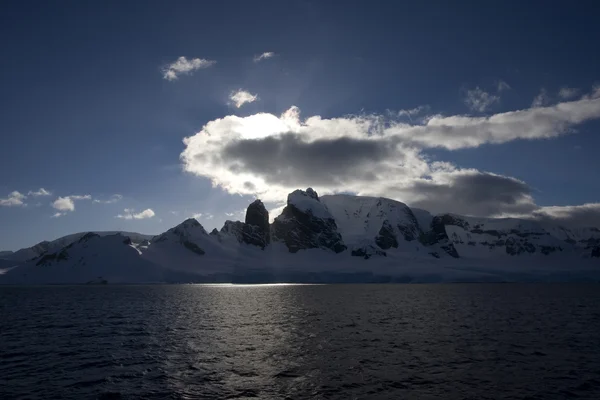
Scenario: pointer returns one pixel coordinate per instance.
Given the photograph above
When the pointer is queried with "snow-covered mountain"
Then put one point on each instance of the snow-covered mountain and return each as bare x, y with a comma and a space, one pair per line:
37, 250
332, 238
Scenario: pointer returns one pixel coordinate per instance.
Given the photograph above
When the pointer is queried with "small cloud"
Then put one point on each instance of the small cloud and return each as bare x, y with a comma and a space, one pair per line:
14, 199
567, 92
502, 86
131, 214
206, 216
41, 192
183, 66
174, 212
57, 215
229, 214
242, 97
111, 200
264, 56
68, 203
541, 99
577, 147
480, 100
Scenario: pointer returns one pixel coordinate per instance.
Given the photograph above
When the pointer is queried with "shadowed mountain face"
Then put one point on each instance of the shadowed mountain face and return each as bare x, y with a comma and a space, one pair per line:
334, 231
305, 223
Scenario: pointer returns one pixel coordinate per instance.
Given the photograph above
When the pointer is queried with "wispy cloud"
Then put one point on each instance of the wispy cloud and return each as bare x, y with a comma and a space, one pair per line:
14, 199
501, 86
412, 112
57, 215
264, 56
241, 97
542, 99
568, 93
131, 214
111, 200
40, 192
68, 203
206, 216
183, 66
479, 100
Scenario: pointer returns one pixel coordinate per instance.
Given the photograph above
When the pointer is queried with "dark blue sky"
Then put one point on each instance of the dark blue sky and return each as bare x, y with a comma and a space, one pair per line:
84, 108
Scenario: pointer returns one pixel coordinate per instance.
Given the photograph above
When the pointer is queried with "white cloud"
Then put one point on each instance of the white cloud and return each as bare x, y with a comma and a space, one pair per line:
268, 156
542, 99
14, 199
111, 200
568, 93
572, 216
131, 214
241, 97
479, 100
206, 216
57, 215
68, 203
502, 86
40, 192
183, 66
264, 56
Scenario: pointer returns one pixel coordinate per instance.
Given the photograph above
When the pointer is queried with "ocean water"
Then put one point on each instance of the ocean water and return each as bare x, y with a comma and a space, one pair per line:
471, 341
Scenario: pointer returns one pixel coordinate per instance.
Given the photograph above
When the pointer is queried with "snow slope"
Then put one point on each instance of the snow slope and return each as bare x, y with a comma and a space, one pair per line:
90, 259
37, 250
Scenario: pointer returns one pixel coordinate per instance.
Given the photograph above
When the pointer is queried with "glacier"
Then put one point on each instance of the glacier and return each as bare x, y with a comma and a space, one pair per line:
332, 238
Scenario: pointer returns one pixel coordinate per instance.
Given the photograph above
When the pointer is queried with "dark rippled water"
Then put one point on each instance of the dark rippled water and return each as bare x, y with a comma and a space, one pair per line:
324, 342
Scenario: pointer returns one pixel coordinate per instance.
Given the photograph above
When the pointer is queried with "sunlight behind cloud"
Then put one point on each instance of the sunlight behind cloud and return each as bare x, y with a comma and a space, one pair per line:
268, 156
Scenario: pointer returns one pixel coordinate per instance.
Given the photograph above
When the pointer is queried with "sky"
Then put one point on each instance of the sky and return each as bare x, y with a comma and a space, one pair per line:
123, 115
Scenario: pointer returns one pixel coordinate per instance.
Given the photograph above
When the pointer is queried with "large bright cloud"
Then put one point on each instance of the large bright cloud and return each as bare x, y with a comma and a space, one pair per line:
268, 155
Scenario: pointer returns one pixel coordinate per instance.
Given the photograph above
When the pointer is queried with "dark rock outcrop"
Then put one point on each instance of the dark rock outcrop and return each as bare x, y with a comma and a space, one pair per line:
48, 258
515, 247
257, 230
307, 228
244, 233
386, 238
437, 234
367, 251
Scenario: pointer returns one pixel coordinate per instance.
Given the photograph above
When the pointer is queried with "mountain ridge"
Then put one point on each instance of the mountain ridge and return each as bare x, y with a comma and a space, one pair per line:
313, 238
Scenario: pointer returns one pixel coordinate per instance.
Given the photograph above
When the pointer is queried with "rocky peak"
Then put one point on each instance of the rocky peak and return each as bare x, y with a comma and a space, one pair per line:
310, 192
306, 223
258, 217
190, 223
